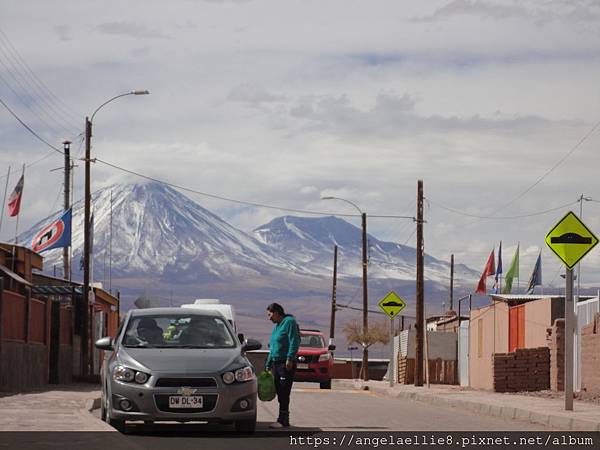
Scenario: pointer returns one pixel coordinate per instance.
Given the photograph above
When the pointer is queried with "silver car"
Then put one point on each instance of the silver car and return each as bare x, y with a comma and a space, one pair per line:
174, 364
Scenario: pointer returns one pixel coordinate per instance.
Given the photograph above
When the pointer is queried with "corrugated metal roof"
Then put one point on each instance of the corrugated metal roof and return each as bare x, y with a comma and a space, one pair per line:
14, 276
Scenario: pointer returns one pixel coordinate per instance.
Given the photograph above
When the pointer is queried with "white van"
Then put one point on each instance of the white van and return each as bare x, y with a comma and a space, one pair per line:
214, 304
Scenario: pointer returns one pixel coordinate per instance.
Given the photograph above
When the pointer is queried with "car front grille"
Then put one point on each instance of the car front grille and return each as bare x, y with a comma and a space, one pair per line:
307, 359
209, 403
186, 382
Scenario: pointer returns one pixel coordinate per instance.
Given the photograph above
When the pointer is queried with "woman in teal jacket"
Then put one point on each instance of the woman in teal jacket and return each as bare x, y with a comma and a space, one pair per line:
283, 346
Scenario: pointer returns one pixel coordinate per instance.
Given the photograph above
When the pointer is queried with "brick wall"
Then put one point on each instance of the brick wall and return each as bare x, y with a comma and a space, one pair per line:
555, 337
590, 357
526, 369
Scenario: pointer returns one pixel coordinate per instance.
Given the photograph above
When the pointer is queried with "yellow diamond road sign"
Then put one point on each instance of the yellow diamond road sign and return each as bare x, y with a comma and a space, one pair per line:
571, 240
391, 304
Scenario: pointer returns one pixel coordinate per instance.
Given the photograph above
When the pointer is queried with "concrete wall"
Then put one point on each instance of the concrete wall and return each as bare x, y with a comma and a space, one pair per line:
488, 334
539, 315
442, 344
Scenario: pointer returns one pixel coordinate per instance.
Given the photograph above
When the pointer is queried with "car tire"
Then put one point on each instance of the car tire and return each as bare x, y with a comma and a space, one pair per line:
245, 426
325, 384
117, 424
103, 408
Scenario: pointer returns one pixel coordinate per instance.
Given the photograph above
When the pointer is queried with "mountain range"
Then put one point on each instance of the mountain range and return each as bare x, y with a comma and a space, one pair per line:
166, 245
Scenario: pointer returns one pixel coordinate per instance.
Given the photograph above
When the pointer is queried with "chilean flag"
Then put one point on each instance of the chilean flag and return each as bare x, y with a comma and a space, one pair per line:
55, 235
14, 201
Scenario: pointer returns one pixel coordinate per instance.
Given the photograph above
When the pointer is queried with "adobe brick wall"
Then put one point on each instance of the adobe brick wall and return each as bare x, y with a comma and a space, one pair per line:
590, 357
526, 369
555, 337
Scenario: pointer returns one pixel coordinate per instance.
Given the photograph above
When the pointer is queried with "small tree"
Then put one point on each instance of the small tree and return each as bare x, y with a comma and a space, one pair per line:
378, 333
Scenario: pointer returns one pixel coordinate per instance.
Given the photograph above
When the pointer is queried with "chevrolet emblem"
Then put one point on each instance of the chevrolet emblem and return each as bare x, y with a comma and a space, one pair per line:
186, 391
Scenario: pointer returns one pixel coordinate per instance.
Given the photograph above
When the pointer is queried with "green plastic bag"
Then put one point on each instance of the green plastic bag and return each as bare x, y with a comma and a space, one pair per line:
266, 386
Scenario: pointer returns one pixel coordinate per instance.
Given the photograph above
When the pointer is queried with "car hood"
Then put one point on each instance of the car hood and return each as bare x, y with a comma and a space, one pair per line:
311, 351
181, 359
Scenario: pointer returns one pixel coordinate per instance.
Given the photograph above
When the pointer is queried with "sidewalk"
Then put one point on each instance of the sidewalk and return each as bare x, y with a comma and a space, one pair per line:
551, 412
55, 408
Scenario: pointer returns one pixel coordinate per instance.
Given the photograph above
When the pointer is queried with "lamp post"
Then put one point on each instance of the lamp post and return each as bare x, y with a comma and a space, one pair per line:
86, 233
365, 359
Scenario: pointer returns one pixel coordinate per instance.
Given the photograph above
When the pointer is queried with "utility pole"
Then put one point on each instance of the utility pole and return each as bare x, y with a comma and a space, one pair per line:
86, 251
365, 361
452, 282
420, 294
333, 296
67, 151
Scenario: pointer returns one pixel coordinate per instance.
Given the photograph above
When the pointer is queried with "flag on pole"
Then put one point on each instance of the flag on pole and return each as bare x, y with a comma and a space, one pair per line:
536, 275
55, 235
14, 201
513, 271
498, 277
488, 270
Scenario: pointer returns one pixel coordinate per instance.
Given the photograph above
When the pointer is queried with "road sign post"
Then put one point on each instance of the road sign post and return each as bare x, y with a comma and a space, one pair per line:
391, 305
570, 240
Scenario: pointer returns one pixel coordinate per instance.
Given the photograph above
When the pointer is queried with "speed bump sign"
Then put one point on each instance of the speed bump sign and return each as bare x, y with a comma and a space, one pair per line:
571, 240
391, 304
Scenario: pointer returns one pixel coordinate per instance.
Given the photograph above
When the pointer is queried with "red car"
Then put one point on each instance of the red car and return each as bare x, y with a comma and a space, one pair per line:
314, 361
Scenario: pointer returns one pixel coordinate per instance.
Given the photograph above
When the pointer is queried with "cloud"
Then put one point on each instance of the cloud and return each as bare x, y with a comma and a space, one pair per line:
252, 95
132, 30
394, 116
566, 11
64, 32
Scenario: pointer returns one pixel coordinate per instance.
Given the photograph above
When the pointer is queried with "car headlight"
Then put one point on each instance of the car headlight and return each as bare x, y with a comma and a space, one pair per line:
325, 357
244, 374
122, 373
239, 375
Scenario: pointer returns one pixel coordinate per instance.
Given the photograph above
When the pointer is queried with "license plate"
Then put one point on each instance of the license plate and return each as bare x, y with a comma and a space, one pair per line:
188, 401
302, 366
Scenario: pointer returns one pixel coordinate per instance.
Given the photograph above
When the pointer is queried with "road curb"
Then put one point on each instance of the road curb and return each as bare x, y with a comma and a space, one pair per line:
559, 421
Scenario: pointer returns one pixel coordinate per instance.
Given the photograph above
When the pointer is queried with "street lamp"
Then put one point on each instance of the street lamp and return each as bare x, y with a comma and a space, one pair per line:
87, 230
365, 360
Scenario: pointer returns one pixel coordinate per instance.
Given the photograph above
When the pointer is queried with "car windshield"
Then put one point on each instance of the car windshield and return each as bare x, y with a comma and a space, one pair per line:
178, 331
312, 341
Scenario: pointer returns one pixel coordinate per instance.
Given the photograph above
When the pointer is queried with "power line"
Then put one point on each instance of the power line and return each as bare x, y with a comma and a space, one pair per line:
35, 85
28, 128
242, 202
539, 213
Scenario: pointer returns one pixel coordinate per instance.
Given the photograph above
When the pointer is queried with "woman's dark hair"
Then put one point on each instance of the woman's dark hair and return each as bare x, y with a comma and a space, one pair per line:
276, 307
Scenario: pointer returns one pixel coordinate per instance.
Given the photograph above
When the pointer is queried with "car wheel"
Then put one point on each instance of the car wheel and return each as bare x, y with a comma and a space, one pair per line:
325, 384
103, 408
245, 426
117, 424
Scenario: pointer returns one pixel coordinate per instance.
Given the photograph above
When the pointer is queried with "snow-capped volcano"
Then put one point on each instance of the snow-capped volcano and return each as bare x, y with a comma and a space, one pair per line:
158, 231
310, 241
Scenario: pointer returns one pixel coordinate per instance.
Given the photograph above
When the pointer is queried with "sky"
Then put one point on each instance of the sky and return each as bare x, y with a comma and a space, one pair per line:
493, 104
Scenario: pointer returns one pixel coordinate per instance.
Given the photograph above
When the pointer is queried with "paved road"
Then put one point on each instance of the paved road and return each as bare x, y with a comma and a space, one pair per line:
347, 409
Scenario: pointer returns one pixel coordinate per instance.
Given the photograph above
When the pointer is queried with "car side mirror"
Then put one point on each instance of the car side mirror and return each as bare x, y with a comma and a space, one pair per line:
331, 347
251, 344
241, 338
105, 343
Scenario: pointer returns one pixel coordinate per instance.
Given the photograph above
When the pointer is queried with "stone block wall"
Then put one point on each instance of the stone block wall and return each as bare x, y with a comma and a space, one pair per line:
555, 337
590, 357
526, 369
